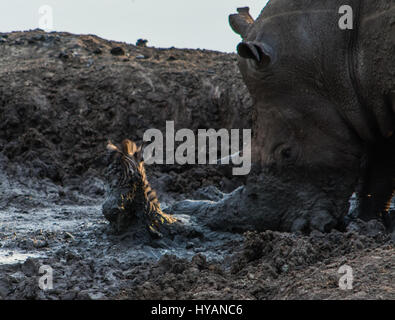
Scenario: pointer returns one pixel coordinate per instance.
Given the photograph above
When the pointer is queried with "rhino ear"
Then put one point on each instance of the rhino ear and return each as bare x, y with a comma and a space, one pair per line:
241, 22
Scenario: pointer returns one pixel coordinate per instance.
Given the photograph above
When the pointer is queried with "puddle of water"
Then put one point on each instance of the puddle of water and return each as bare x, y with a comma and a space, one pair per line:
12, 257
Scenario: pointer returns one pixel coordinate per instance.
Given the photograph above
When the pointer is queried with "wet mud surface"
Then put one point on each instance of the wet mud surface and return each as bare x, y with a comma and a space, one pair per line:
61, 98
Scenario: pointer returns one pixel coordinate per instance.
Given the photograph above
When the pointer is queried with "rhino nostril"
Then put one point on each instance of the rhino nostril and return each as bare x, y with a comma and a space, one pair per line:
254, 51
248, 51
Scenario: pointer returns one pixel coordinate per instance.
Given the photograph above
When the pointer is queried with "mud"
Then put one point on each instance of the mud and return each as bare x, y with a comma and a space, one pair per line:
61, 97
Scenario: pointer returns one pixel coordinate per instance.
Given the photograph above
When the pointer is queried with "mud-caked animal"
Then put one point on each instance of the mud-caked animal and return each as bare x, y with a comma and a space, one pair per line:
131, 202
324, 109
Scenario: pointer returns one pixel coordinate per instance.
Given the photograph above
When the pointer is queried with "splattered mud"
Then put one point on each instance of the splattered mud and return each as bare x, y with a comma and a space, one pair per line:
61, 97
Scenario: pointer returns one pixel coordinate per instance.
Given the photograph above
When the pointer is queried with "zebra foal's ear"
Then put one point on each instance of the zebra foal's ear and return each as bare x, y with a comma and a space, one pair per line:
112, 147
129, 147
140, 153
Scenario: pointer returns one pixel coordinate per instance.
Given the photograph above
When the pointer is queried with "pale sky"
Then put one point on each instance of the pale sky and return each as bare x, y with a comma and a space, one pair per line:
165, 23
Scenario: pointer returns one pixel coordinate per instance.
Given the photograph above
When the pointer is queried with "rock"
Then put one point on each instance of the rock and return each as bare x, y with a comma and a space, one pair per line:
93, 186
84, 295
97, 296
17, 276
372, 228
69, 295
40, 37
30, 267
200, 261
189, 245
5, 287
208, 193
117, 51
63, 56
40, 243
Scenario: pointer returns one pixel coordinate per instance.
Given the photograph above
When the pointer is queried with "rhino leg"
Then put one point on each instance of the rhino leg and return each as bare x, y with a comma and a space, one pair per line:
378, 184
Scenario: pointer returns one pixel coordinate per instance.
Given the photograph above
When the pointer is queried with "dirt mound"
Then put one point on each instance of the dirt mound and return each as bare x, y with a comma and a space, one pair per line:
63, 96
268, 264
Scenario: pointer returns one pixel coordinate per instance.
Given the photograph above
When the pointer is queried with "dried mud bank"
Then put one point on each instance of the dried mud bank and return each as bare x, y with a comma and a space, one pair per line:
61, 97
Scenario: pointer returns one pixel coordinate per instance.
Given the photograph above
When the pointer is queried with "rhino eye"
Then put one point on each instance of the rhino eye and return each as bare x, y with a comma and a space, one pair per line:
283, 153
286, 153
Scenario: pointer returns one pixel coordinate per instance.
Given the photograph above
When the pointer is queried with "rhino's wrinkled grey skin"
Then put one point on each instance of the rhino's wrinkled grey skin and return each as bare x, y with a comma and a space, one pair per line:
324, 115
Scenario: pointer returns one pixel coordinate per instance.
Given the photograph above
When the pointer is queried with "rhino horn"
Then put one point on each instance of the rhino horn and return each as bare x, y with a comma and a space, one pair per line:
241, 21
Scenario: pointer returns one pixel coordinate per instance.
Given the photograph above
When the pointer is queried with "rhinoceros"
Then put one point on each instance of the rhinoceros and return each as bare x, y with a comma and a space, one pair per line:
324, 105
323, 123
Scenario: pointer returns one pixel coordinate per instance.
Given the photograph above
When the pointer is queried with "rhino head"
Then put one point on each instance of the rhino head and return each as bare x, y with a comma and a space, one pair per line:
291, 63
